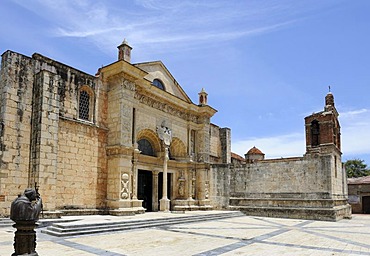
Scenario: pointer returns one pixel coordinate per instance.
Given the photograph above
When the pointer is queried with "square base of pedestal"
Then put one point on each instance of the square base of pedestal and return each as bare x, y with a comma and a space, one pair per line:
125, 207
164, 205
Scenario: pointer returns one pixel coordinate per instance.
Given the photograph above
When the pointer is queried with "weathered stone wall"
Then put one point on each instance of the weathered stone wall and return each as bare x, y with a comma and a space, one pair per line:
80, 183
16, 84
38, 111
225, 137
220, 180
301, 178
44, 141
215, 143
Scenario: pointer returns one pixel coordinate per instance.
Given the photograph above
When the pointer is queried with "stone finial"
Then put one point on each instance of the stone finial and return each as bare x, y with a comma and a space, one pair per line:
124, 51
329, 99
329, 102
203, 97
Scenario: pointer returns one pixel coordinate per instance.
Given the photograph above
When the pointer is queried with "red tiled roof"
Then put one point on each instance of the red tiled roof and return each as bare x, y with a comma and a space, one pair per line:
237, 157
255, 151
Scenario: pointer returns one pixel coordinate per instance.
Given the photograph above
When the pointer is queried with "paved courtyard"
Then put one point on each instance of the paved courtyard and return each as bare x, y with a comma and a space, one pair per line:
246, 235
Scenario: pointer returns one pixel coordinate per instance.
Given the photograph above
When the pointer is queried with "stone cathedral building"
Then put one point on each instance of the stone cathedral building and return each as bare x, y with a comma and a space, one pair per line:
129, 140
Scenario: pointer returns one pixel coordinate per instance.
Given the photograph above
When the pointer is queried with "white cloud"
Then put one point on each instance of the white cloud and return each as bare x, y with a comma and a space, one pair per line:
355, 130
288, 145
171, 25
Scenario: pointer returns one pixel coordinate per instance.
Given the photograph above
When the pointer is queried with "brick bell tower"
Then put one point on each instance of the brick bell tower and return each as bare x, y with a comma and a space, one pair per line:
323, 129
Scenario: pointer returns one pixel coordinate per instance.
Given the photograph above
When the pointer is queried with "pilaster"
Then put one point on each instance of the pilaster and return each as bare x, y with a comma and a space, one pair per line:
44, 141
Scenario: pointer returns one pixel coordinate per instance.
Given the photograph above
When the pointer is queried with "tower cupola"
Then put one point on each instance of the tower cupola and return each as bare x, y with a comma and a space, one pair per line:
203, 97
124, 51
329, 102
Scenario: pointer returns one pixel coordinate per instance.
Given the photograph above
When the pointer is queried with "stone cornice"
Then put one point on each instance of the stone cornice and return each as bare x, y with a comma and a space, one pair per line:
184, 111
118, 150
122, 69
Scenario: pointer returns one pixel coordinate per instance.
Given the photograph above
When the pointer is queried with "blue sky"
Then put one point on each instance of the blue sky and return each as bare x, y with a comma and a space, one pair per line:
265, 64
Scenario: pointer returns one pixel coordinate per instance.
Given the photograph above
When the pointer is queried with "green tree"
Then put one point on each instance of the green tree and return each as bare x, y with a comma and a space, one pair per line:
356, 168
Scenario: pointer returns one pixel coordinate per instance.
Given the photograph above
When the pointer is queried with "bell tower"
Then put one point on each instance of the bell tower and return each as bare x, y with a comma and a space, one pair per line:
323, 129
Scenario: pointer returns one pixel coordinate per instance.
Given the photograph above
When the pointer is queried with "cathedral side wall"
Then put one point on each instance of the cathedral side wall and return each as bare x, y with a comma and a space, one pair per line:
81, 181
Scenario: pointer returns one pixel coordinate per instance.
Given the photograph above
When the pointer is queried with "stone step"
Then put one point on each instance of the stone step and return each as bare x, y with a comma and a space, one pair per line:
72, 229
326, 214
286, 202
5, 222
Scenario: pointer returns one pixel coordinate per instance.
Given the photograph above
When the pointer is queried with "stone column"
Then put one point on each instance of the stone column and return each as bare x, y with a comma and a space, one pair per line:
190, 184
155, 191
134, 174
165, 202
165, 134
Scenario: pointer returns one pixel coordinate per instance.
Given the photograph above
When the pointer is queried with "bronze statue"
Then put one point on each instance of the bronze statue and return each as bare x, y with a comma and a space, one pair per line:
27, 206
25, 211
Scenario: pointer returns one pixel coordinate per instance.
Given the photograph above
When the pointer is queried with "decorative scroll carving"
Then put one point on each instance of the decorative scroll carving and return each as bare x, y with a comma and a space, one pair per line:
206, 189
193, 179
181, 184
128, 85
157, 104
125, 193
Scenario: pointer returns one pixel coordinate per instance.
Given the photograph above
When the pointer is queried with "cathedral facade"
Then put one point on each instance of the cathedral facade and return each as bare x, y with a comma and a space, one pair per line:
128, 140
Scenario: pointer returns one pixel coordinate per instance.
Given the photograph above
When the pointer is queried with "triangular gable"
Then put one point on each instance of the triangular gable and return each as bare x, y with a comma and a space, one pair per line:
157, 70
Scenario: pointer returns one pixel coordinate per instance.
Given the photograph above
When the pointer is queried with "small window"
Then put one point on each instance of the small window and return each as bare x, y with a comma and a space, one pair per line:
159, 84
315, 133
84, 111
145, 147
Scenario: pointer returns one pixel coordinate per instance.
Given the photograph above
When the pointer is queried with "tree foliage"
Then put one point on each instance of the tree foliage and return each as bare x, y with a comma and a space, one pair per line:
356, 168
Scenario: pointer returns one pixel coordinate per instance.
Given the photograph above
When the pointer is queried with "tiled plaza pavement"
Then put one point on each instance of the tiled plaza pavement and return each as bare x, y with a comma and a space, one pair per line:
245, 235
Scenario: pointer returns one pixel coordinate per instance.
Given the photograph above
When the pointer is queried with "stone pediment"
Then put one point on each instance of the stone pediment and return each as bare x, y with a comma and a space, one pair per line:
157, 70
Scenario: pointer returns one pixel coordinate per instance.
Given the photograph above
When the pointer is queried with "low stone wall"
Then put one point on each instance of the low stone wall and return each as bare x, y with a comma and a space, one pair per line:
307, 187
325, 214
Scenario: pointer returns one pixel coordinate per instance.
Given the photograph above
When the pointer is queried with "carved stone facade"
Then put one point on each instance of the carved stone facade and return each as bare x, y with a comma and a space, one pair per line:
79, 137
129, 140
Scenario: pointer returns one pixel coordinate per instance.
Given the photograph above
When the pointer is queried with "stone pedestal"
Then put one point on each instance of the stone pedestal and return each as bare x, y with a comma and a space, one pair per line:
25, 238
125, 207
164, 205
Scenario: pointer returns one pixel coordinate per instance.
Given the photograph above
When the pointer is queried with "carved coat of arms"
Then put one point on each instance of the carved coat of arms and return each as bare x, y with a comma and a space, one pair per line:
165, 134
